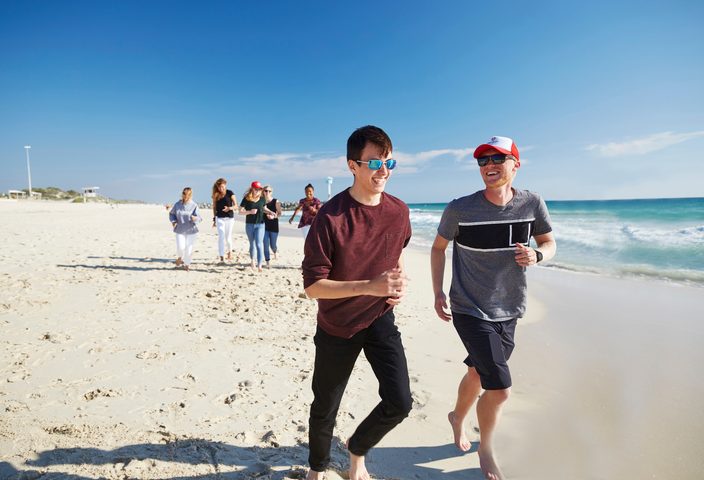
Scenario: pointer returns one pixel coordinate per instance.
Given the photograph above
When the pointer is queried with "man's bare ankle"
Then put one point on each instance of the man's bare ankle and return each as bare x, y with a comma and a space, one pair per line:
313, 475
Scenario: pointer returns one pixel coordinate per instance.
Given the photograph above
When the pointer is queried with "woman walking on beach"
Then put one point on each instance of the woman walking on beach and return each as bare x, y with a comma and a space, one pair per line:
271, 223
309, 207
253, 205
184, 216
224, 207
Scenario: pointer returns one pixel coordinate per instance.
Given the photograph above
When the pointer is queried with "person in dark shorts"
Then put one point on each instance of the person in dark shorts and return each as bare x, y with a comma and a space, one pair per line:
353, 266
490, 231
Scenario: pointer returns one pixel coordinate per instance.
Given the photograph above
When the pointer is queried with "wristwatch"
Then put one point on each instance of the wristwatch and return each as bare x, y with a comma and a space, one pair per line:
539, 255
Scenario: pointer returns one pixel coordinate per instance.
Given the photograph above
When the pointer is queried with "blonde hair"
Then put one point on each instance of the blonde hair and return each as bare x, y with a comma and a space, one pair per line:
188, 193
216, 189
249, 193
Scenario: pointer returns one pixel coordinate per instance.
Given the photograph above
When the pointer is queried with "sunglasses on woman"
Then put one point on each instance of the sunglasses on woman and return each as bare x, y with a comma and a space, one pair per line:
375, 163
497, 159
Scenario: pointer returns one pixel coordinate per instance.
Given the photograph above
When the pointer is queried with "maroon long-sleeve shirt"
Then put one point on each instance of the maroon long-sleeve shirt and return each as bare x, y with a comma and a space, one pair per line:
351, 241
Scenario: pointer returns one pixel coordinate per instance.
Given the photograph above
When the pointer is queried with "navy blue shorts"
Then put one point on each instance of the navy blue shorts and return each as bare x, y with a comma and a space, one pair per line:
489, 346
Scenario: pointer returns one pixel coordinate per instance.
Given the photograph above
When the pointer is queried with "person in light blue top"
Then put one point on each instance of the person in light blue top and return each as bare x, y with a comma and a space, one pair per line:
184, 216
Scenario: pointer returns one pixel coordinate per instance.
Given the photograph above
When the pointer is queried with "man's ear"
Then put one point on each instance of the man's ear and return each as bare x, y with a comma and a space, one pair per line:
352, 165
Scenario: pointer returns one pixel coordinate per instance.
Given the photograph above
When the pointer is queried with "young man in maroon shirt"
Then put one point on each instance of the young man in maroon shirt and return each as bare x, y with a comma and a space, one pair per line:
353, 267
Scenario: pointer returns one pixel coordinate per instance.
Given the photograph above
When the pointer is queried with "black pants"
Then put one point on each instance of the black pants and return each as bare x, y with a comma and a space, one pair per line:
334, 359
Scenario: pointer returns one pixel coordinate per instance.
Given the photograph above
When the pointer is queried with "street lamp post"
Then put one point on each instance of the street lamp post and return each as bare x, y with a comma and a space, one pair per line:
29, 172
329, 188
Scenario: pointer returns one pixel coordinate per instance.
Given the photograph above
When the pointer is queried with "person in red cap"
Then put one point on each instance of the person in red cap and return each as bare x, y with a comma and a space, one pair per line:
491, 231
254, 206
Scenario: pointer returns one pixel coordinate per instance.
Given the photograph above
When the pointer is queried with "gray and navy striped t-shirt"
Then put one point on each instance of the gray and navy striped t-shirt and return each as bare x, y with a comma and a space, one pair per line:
486, 280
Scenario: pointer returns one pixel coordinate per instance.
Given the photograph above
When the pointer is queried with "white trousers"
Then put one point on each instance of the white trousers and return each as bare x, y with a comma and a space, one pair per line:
184, 246
224, 234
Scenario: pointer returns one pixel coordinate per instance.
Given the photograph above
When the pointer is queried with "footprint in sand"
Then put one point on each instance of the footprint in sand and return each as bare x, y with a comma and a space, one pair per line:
93, 394
265, 417
420, 398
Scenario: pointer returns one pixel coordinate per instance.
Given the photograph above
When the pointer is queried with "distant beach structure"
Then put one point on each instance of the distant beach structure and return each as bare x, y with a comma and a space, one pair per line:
90, 192
16, 194
21, 195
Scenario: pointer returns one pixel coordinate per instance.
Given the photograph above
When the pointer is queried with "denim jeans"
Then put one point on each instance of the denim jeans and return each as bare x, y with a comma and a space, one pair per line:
255, 234
270, 241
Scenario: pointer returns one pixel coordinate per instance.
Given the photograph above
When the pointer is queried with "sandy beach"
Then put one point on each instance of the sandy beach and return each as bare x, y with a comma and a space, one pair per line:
113, 364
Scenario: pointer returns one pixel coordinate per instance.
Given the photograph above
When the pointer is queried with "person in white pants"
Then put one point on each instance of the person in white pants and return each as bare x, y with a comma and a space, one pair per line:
224, 207
184, 216
224, 226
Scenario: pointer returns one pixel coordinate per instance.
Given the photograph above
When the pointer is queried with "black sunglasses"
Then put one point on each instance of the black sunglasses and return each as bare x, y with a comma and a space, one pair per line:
497, 159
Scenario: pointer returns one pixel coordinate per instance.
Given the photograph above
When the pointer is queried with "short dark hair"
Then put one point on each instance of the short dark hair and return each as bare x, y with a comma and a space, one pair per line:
364, 135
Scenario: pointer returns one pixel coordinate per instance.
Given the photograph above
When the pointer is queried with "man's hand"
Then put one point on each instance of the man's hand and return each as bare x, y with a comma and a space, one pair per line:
392, 283
525, 256
441, 307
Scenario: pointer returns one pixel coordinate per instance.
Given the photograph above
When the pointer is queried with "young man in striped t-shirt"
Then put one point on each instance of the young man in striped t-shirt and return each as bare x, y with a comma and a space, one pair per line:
490, 231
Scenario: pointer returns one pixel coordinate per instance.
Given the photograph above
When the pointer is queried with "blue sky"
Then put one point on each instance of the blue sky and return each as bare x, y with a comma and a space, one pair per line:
604, 99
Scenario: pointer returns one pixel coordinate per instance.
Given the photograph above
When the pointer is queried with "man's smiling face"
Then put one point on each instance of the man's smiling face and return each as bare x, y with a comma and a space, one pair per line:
496, 176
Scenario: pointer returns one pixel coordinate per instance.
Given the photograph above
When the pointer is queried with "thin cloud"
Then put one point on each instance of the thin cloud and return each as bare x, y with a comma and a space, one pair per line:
641, 146
304, 166
414, 162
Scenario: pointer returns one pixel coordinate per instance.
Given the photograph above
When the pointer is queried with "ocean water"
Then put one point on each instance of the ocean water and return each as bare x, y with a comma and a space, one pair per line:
661, 238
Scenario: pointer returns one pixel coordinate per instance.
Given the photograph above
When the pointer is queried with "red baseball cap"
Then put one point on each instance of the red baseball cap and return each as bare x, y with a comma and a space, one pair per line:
500, 144
257, 185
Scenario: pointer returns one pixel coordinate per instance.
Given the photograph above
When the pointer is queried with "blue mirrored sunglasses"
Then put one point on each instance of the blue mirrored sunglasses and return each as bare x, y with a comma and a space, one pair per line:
375, 163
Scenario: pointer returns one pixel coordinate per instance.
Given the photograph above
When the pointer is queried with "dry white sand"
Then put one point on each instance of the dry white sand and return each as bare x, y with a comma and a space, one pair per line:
115, 365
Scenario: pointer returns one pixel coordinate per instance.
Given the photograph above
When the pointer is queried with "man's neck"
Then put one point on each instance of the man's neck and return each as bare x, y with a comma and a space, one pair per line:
499, 196
371, 200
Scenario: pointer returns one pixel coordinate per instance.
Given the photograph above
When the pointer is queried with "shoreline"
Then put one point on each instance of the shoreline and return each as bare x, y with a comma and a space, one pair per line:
115, 364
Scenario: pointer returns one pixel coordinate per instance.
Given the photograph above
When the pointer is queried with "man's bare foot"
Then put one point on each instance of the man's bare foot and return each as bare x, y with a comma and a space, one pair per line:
458, 431
358, 471
313, 475
489, 466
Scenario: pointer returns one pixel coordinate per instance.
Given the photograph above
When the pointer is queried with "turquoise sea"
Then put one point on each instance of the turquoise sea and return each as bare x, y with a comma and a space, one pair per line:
661, 238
